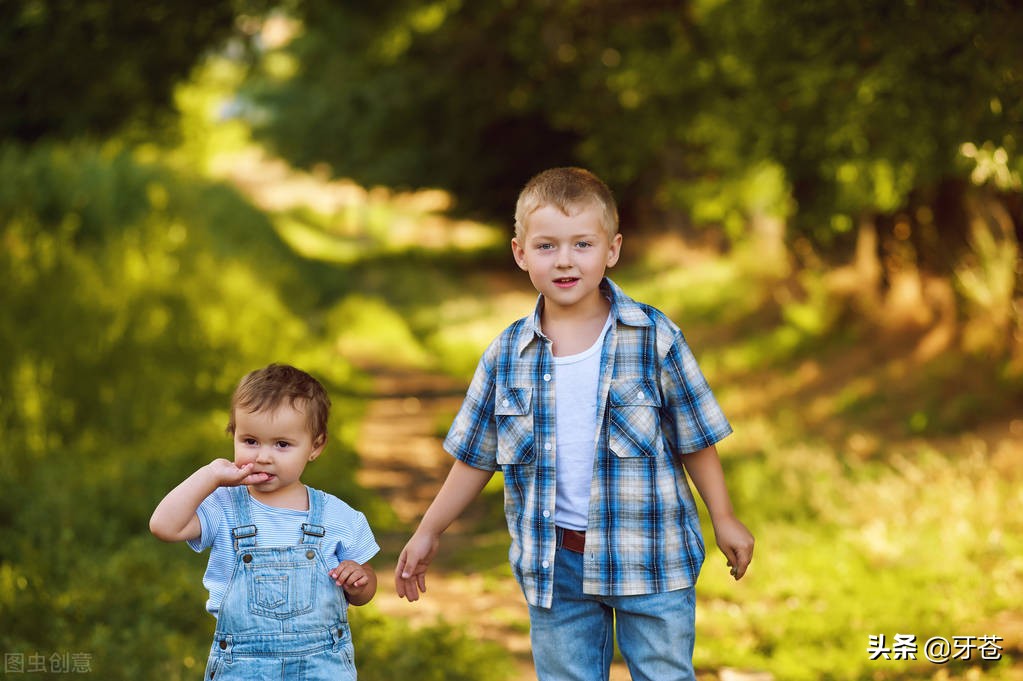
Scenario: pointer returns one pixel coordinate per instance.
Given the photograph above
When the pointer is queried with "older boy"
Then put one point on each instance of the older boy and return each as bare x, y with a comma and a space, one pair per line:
594, 409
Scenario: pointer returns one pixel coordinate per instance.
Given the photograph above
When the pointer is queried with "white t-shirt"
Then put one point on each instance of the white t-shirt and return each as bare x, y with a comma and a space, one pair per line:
576, 378
348, 536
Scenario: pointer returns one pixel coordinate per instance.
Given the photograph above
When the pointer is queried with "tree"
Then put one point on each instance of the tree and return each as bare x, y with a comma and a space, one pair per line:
867, 105
89, 67
864, 107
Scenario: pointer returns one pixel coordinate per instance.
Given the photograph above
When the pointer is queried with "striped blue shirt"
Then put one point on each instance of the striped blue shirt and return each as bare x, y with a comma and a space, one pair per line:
643, 530
348, 536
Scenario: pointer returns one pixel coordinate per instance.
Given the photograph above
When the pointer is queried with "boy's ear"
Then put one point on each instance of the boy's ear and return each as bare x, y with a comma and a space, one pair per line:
614, 250
518, 253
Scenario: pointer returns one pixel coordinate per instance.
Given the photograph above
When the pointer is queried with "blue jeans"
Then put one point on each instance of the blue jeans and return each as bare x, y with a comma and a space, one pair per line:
574, 639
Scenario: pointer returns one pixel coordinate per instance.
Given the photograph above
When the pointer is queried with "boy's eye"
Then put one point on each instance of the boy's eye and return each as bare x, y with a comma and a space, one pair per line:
545, 247
583, 244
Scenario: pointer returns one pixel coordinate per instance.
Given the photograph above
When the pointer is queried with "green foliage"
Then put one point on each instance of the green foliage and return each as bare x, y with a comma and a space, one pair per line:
134, 298
915, 544
131, 309
369, 330
389, 648
91, 67
853, 109
864, 103
407, 110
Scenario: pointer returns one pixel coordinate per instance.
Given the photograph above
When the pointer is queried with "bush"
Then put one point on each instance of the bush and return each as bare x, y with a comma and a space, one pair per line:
133, 301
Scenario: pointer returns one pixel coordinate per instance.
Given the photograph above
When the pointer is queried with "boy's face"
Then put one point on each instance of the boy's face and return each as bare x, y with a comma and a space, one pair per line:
278, 443
566, 256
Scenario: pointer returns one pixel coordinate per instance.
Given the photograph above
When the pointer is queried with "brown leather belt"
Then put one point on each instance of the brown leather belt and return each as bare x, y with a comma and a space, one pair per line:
573, 540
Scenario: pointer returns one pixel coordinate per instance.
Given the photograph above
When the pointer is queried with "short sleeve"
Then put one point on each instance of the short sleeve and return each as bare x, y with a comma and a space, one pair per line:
472, 438
358, 543
693, 419
211, 519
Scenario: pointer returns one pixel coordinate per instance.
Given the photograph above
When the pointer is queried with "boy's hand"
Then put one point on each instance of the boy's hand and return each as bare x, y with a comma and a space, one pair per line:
410, 574
736, 542
359, 581
229, 474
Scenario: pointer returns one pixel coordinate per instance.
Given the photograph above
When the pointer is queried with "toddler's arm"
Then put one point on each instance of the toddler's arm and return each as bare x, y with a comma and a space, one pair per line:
357, 579
734, 540
175, 517
463, 484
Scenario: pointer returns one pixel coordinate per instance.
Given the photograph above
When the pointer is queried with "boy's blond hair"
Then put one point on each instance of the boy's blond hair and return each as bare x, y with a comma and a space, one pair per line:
569, 190
277, 384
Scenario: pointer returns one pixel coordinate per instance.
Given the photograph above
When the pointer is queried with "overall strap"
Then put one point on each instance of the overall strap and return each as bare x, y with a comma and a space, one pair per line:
313, 531
244, 534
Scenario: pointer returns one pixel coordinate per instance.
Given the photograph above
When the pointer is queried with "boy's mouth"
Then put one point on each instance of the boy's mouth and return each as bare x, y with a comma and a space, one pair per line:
565, 281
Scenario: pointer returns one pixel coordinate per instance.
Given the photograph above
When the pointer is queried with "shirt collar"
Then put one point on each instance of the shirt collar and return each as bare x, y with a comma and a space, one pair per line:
623, 309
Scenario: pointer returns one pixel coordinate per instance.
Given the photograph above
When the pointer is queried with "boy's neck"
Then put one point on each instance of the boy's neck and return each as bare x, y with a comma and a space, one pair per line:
574, 329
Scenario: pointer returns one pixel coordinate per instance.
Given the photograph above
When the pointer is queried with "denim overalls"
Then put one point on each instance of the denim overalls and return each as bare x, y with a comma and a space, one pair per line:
282, 616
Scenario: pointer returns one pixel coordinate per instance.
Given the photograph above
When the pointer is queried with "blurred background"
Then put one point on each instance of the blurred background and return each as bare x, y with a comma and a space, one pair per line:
825, 196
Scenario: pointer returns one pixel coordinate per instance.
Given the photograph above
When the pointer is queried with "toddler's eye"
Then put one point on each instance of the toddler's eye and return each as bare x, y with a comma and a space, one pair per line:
281, 444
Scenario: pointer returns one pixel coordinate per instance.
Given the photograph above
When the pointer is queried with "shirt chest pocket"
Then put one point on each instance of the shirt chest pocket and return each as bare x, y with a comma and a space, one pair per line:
633, 418
514, 415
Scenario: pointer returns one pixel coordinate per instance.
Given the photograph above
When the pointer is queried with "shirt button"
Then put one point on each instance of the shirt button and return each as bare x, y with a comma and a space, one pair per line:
223, 645
310, 555
247, 558
547, 446
505, 403
546, 377
546, 514
640, 395
545, 565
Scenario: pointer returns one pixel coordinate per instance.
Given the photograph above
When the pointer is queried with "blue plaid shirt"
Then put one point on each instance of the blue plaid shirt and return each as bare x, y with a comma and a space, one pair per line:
643, 534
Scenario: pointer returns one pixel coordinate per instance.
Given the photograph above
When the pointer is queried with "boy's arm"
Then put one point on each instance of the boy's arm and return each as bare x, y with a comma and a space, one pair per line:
734, 540
463, 484
175, 517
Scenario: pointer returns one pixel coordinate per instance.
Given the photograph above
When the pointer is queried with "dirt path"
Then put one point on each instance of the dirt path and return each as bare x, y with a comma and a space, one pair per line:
403, 461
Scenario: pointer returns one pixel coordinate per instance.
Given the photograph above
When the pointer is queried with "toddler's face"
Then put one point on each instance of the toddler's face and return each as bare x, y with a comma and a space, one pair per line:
278, 443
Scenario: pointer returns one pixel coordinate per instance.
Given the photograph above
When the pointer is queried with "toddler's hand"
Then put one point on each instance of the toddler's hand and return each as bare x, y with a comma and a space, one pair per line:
229, 474
349, 575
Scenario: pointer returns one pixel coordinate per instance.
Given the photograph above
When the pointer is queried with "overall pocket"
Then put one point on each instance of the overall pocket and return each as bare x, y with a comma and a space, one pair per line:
280, 582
